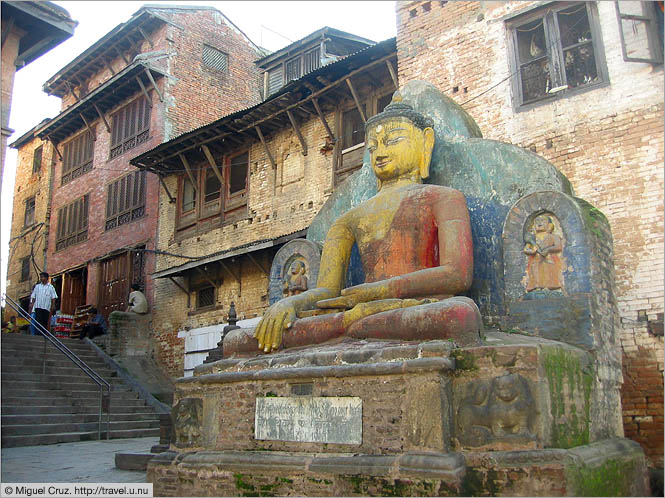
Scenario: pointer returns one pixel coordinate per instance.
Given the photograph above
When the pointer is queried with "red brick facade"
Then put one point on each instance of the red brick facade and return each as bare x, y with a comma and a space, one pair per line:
607, 140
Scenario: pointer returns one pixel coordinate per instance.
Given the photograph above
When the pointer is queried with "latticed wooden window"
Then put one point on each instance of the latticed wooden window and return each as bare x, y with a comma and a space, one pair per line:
29, 218
130, 127
293, 69
275, 79
37, 159
215, 59
72, 225
125, 200
311, 60
205, 297
77, 156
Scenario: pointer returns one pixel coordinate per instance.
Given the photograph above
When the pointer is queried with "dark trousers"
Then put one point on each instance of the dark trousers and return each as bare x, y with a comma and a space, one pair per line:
91, 330
42, 316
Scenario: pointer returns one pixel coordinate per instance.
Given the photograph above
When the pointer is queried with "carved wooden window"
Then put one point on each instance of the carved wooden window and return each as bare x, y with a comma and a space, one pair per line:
353, 134
29, 217
25, 269
555, 51
236, 170
201, 201
72, 226
77, 156
293, 70
125, 199
215, 59
641, 30
37, 159
130, 126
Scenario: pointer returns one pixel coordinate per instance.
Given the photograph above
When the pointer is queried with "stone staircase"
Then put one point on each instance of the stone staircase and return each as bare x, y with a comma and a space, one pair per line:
62, 405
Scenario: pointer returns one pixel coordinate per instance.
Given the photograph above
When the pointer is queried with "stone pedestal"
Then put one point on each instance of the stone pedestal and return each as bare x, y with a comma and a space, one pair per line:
386, 418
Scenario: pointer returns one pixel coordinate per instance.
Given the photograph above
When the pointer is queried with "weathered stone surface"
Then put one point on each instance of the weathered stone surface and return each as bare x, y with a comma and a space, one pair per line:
309, 419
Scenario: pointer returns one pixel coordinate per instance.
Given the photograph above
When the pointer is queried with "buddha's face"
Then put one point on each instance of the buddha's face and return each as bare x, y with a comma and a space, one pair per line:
398, 148
541, 224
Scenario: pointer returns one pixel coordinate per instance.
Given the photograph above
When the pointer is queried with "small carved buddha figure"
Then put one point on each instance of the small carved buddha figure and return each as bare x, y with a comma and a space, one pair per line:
542, 246
295, 281
415, 248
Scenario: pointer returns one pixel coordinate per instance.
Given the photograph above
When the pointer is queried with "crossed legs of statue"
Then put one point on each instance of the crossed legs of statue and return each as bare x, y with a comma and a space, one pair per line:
456, 318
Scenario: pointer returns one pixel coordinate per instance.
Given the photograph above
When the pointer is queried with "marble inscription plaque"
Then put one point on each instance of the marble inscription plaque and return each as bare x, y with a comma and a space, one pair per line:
309, 419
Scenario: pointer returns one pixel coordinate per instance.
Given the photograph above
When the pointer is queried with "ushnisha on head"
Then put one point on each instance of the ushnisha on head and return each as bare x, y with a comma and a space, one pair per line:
400, 142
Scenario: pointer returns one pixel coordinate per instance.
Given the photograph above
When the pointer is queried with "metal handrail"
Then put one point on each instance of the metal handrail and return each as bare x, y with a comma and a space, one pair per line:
98, 379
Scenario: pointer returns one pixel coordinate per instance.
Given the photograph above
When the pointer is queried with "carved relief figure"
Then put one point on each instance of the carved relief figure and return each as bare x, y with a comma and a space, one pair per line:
496, 409
542, 247
415, 248
187, 415
295, 279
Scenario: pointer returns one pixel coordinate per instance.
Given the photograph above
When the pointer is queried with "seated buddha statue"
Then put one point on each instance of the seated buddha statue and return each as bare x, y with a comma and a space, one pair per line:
415, 247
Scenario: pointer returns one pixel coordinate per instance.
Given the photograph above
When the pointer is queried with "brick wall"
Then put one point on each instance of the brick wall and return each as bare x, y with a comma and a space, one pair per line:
608, 141
280, 202
25, 241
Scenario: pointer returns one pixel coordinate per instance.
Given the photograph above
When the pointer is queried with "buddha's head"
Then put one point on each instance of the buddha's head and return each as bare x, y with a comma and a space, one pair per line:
400, 142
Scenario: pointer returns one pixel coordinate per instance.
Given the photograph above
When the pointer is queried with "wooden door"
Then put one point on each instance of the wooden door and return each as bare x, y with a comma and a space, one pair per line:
114, 284
73, 291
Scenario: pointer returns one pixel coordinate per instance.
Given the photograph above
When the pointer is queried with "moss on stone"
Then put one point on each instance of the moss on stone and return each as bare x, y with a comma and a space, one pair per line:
464, 361
564, 369
612, 478
479, 483
241, 484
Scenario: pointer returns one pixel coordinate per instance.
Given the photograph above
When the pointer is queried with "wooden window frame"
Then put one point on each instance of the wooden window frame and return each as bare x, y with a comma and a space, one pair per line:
357, 151
548, 13
72, 223
204, 212
29, 217
208, 65
37, 163
77, 146
139, 128
648, 18
132, 187
302, 60
25, 274
197, 294
237, 200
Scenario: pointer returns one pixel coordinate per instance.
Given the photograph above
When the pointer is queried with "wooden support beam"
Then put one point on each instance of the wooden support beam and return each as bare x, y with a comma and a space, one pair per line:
145, 92
108, 65
229, 271
70, 89
189, 172
7, 30
393, 74
166, 189
92, 132
55, 147
121, 54
205, 276
152, 45
182, 289
211, 160
258, 265
154, 85
323, 120
101, 115
356, 100
298, 134
265, 146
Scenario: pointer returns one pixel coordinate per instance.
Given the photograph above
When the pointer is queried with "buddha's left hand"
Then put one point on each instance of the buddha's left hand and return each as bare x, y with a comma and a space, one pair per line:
362, 293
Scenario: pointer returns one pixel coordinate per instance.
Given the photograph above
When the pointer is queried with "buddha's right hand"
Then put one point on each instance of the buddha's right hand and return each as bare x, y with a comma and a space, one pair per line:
278, 318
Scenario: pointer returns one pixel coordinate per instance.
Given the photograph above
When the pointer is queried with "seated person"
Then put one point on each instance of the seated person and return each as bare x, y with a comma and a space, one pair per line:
96, 325
137, 301
415, 247
11, 326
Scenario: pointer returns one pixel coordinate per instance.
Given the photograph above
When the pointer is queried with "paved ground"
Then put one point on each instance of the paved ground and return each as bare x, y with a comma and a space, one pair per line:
83, 462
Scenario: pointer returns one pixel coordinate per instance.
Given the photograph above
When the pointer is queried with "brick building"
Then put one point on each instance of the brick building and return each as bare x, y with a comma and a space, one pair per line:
250, 181
581, 84
29, 30
163, 72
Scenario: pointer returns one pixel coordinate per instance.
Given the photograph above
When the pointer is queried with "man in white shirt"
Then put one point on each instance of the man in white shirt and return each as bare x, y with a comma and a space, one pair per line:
42, 301
137, 301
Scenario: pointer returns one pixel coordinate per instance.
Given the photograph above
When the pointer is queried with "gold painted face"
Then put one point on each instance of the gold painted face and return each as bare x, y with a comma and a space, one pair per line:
399, 149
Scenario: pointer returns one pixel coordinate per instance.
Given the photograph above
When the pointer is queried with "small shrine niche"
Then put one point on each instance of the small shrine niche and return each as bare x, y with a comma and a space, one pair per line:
543, 248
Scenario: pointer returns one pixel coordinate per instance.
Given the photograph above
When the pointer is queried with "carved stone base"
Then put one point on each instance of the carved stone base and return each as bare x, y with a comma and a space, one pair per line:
376, 418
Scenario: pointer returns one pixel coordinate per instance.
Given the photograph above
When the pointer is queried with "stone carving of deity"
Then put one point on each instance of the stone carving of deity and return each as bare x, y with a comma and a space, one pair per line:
543, 248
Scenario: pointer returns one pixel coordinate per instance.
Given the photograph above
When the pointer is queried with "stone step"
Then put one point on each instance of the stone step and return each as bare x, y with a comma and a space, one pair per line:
134, 407
34, 345
30, 429
34, 440
51, 360
56, 379
70, 369
133, 461
34, 401
62, 418
46, 384
86, 393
